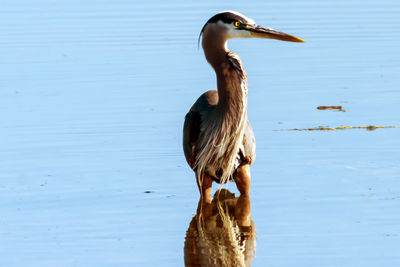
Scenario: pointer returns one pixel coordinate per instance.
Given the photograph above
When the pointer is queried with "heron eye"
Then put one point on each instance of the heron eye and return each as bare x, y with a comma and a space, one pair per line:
237, 24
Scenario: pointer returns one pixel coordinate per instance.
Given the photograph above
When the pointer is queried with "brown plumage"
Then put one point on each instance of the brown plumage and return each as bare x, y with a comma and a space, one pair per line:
218, 140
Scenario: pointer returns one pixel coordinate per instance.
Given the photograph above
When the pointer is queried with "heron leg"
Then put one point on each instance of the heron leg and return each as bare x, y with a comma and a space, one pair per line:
242, 179
204, 184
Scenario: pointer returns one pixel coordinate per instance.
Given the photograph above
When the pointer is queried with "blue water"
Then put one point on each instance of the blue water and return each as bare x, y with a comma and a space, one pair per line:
92, 100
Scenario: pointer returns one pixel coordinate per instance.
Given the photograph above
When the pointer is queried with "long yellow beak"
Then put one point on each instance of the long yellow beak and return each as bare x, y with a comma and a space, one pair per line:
262, 32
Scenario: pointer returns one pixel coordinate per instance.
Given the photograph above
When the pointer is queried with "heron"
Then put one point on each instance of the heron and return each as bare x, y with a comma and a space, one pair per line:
218, 140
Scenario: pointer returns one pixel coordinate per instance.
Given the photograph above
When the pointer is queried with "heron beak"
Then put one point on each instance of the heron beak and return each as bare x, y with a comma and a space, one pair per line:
262, 32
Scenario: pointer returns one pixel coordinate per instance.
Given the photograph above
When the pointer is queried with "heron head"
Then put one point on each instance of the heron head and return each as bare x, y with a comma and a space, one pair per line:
231, 24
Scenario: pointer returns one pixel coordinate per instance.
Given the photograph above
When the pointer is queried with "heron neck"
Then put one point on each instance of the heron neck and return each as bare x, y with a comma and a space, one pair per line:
232, 89
215, 49
231, 78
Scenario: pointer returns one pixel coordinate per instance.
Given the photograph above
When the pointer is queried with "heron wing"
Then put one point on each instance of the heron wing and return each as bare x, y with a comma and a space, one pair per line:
191, 131
193, 120
249, 144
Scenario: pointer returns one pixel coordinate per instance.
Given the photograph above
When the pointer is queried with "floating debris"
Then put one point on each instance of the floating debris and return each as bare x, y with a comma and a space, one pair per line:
322, 128
338, 108
148, 192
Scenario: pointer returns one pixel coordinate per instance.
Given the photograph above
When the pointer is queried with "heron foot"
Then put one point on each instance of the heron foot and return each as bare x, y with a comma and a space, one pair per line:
242, 179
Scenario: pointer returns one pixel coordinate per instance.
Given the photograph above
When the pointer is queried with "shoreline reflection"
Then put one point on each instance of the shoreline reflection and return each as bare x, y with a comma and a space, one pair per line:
221, 233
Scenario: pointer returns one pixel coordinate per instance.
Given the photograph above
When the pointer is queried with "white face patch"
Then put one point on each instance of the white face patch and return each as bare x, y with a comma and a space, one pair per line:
233, 32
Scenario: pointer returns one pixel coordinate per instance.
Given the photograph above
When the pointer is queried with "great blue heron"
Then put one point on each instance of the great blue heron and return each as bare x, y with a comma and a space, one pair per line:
218, 140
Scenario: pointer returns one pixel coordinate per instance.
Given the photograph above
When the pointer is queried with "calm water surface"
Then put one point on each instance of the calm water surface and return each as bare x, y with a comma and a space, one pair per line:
92, 100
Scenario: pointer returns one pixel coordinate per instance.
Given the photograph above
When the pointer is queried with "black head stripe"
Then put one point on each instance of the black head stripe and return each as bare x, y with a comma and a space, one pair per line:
226, 17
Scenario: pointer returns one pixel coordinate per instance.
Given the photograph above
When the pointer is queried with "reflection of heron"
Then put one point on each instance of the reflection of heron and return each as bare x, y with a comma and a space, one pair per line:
221, 233
218, 140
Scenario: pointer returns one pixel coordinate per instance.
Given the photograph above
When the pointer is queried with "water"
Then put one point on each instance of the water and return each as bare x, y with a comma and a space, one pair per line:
92, 101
